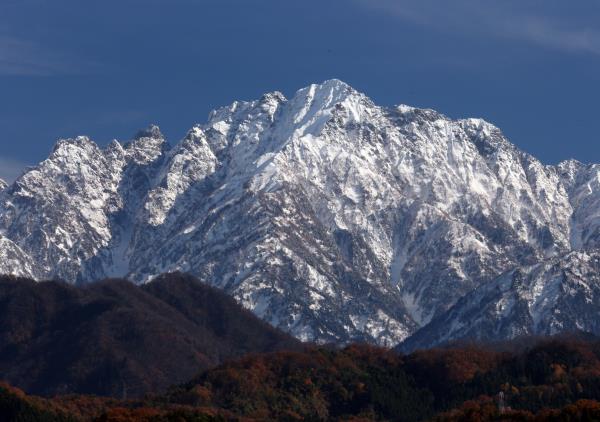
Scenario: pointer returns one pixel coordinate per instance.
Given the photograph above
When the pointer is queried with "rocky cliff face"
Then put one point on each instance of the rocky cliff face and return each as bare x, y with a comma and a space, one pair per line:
557, 295
327, 215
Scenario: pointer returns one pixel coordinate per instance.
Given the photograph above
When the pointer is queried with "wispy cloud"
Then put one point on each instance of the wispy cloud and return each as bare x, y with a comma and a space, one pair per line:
26, 58
502, 20
10, 169
549, 34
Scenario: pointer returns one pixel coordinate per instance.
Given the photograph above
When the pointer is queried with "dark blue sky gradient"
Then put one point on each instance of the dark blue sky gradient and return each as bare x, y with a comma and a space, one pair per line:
108, 68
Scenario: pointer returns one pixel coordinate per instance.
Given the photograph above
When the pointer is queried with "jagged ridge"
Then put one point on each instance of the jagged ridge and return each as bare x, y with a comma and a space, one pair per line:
325, 214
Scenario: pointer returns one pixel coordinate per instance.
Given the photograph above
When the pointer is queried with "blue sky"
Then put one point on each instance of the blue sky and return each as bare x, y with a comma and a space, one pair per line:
107, 68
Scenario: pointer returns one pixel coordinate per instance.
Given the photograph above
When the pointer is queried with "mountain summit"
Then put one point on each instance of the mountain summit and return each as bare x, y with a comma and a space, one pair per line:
325, 214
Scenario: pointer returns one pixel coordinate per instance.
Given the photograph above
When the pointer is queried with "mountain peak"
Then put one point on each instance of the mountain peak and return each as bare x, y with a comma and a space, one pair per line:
79, 142
273, 96
147, 145
313, 106
152, 132
571, 166
3, 185
335, 83
327, 93
194, 134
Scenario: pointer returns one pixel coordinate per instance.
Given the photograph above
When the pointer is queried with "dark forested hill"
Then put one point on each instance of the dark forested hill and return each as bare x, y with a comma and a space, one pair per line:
549, 380
114, 338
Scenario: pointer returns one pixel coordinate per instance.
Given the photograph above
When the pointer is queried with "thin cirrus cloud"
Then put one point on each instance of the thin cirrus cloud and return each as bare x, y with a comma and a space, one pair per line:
567, 30
25, 58
585, 40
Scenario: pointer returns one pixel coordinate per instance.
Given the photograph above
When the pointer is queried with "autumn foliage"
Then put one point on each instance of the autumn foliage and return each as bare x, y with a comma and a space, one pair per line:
555, 380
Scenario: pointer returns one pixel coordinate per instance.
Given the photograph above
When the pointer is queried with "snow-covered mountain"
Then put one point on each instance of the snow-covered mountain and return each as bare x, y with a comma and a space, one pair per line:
558, 295
327, 215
